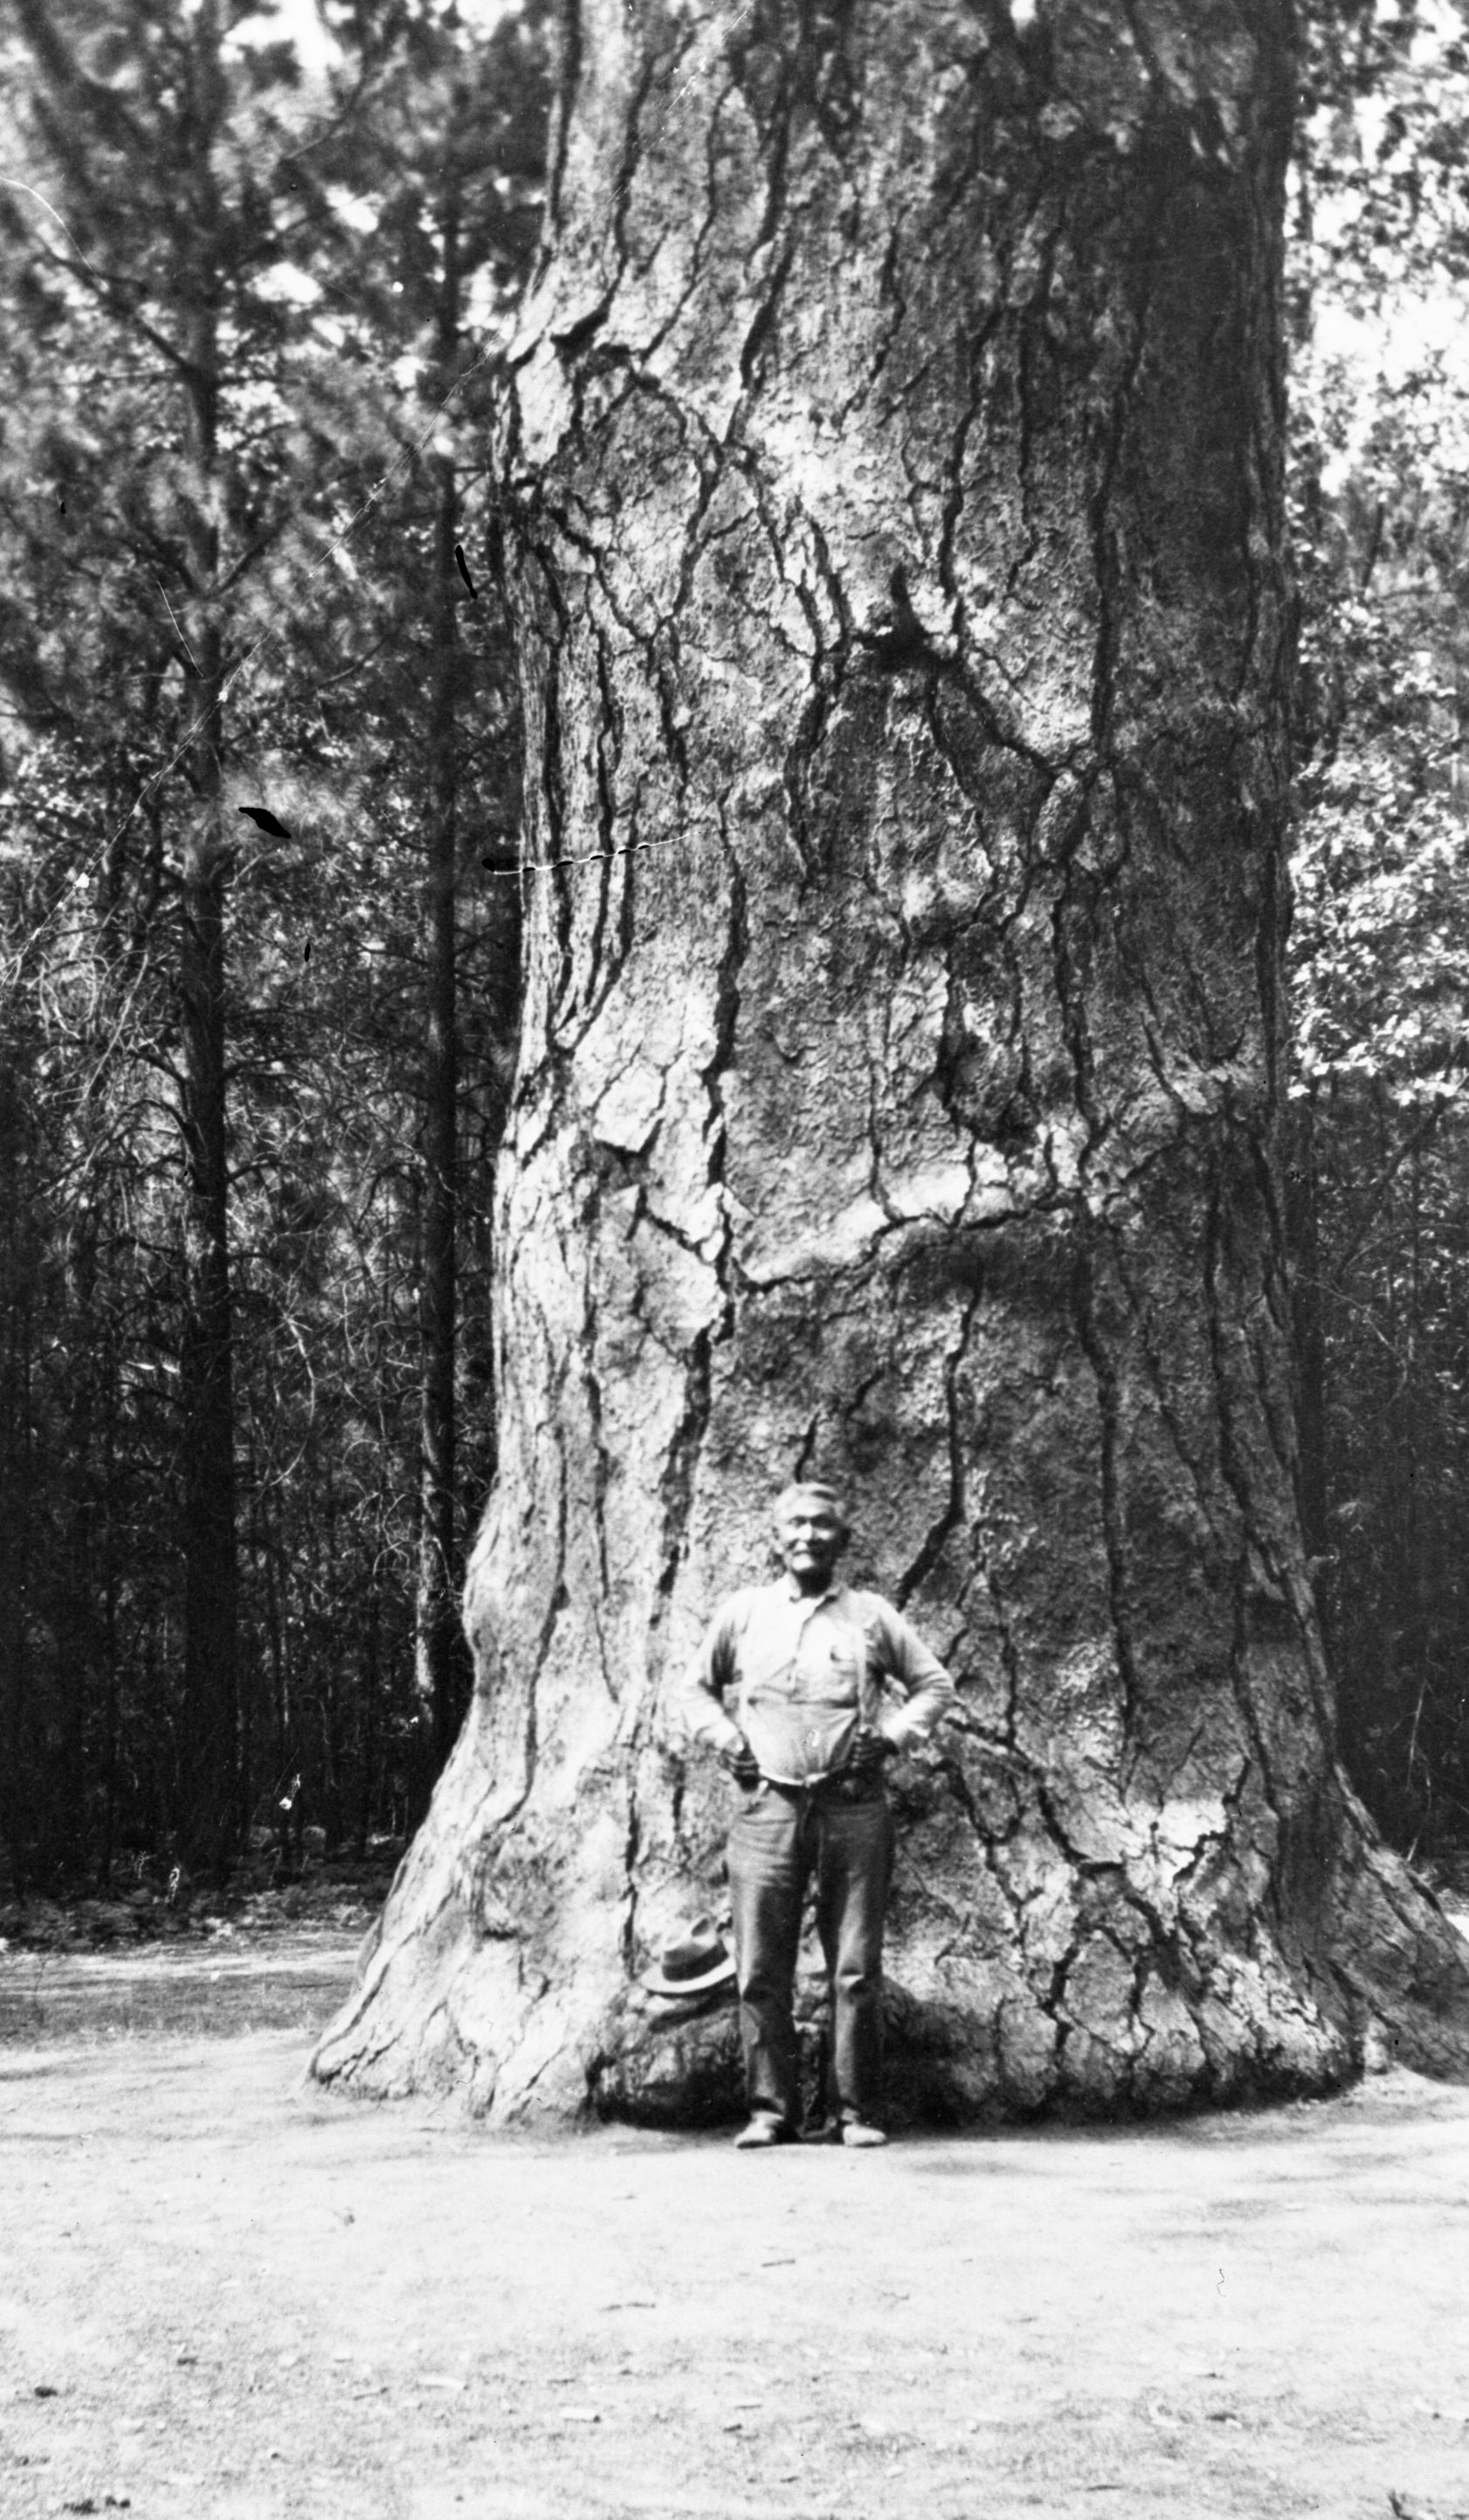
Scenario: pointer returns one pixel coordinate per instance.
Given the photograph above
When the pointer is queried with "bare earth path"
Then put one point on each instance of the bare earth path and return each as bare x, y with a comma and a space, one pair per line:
223, 2293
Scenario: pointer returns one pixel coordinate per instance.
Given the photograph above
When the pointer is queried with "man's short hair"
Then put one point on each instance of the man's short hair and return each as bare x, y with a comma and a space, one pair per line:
822, 1488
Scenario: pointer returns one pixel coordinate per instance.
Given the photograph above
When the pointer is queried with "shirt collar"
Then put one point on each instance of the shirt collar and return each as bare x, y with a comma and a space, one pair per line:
809, 1601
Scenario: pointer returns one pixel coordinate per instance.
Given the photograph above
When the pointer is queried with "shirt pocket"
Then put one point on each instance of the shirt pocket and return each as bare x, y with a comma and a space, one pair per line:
831, 1668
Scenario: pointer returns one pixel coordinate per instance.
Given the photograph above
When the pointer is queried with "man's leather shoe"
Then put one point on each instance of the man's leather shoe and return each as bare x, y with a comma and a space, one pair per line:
860, 2137
762, 2133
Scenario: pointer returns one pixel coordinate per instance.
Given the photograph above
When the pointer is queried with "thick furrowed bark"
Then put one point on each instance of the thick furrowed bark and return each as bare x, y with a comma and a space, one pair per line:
904, 637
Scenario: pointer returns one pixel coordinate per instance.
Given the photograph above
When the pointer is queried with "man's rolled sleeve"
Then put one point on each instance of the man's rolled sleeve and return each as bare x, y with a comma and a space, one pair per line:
699, 1696
931, 1694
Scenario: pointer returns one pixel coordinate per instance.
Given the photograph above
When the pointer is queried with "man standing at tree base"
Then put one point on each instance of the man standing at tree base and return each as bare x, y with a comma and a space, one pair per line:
788, 1688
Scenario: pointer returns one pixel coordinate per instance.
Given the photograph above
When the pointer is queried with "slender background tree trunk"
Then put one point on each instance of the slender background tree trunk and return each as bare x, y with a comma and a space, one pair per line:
438, 1640
18, 1480
211, 1684
897, 441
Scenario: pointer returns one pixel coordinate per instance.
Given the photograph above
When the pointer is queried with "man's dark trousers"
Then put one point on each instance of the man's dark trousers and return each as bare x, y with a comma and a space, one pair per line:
842, 1831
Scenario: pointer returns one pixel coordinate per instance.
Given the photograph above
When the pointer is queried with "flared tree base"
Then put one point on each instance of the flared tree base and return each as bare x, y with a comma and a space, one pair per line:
1092, 1988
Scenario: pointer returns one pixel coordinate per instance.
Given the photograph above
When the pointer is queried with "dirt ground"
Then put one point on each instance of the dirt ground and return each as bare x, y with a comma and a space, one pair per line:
226, 2296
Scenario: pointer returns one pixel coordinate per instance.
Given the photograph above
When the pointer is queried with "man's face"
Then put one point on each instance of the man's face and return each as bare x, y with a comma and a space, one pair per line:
812, 1536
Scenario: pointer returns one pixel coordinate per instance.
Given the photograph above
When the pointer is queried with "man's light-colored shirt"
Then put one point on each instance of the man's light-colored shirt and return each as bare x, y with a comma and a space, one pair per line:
799, 1673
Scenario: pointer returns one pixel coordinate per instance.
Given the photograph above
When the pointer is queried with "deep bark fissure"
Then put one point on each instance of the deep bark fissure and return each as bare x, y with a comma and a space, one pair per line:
569, 83
1237, 1482
938, 1536
1114, 1537
975, 345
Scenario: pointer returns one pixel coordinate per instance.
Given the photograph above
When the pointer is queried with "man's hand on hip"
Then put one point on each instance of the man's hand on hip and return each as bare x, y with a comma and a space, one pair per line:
871, 1752
739, 1761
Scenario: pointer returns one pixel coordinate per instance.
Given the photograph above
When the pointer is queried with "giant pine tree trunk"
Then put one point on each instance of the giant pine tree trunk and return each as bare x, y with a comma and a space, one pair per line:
896, 441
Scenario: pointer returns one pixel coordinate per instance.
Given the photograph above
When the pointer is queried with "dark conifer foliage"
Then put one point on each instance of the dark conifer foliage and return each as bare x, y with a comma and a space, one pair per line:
1380, 1176
220, 492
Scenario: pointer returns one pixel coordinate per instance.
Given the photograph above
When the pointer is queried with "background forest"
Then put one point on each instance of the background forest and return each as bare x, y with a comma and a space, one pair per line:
258, 907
